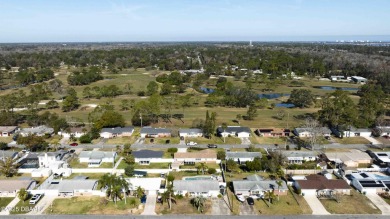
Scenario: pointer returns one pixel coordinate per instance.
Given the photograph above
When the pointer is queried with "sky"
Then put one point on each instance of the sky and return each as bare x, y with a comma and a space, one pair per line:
193, 20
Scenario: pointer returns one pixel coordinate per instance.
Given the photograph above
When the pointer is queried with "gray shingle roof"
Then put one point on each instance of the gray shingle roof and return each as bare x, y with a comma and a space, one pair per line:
190, 131
71, 185
299, 153
264, 185
118, 130
148, 154
151, 130
195, 185
236, 155
323, 130
40, 130
234, 129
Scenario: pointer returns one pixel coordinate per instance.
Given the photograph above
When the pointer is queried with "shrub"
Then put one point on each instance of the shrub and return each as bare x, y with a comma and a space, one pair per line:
287, 147
3, 146
219, 196
141, 93
129, 170
211, 170
172, 150
85, 139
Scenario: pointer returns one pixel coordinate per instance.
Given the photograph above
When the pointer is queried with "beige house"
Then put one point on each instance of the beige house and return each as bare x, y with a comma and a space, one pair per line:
207, 156
350, 159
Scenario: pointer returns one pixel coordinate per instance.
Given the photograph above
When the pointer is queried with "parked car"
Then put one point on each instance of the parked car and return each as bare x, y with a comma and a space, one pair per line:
143, 199
240, 198
35, 199
191, 143
250, 201
212, 146
74, 144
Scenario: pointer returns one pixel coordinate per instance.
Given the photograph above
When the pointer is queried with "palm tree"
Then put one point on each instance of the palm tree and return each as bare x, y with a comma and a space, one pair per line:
167, 196
269, 195
199, 202
202, 166
23, 194
224, 127
140, 191
55, 143
279, 183
114, 186
7, 167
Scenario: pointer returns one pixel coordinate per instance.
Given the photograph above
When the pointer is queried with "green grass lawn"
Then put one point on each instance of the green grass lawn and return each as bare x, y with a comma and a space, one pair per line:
285, 206
7, 139
91, 205
270, 140
4, 201
75, 163
152, 166
89, 175
172, 140
182, 206
215, 140
121, 140
355, 203
352, 140
23, 207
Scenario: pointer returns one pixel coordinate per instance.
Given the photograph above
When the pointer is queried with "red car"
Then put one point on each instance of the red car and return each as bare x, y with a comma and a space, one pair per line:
74, 144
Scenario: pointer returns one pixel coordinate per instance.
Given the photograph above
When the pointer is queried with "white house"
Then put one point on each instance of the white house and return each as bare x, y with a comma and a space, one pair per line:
38, 131
150, 185
11, 187
76, 132
95, 158
49, 159
234, 131
190, 133
370, 182
308, 132
205, 188
350, 159
6, 131
150, 132
117, 132
69, 187
256, 185
352, 132
145, 157
207, 156
298, 157
242, 157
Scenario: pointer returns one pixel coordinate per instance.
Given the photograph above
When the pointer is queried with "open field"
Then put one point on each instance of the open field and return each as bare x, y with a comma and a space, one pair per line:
285, 206
92, 205
356, 203
182, 206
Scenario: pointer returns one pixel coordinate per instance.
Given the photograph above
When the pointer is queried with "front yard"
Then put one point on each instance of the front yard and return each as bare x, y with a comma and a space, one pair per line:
270, 140
93, 205
215, 140
355, 203
121, 140
285, 206
123, 165
352, 140
183, 206
4, 201
162, 140
23, 207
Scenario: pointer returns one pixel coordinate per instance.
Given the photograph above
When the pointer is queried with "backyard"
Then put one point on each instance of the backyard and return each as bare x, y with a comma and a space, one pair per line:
355, 203
93, 205
286, 205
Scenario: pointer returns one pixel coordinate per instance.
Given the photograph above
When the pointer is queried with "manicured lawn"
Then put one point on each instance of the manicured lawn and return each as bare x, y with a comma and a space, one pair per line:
6, 139
75, 163
356, 203
23, 207
180, 174
121, 140
4, 201
209, 165
285, 206
89, 175
106, 165
91, 205
182, 206
270, 140
162, 140
352, 140
152, 166
215, 140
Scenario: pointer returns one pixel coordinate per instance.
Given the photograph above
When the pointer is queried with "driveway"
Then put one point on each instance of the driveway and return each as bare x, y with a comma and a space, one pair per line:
373, 140
10, 206
379, 202
245, 141
246, 209
42, 205
150, 205
219, 207
315, 205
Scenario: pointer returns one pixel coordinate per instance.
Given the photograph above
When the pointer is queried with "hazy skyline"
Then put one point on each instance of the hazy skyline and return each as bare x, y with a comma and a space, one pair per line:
193, 20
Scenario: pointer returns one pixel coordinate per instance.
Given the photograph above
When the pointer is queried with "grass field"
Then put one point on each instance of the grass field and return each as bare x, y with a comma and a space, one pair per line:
92, 205
285, 206
215, 140
352, 140
152, 166
4, 201
183, 206
356, 203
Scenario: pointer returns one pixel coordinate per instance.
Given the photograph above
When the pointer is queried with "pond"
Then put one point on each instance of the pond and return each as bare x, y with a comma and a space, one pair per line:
286, 105
272, 95
337, 88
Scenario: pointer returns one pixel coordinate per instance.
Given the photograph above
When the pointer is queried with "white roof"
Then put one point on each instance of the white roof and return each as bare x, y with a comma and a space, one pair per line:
146, 183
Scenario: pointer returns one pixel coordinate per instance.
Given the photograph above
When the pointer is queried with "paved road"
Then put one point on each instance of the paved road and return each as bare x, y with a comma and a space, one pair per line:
315, 205
380, 203
199, 216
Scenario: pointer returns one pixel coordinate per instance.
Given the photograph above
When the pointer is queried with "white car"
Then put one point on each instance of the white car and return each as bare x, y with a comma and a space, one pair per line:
191, 143
35, 199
